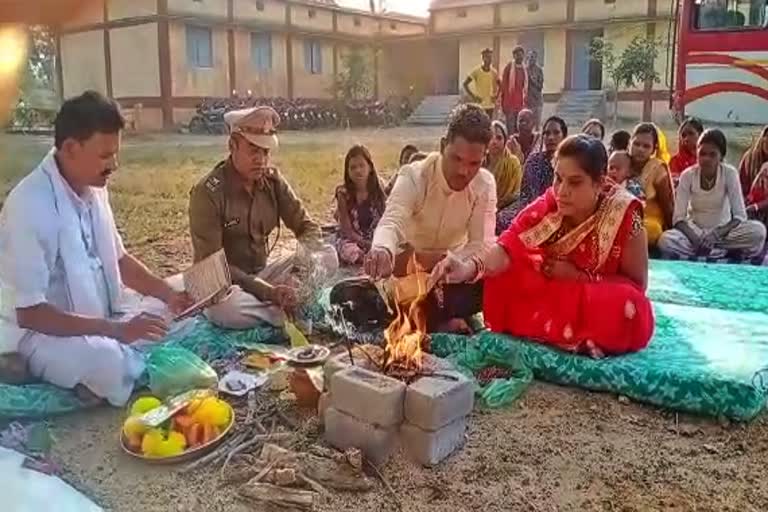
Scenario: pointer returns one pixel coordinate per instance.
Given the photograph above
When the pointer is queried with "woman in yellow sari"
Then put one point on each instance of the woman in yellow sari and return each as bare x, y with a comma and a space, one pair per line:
653, 174
507, 171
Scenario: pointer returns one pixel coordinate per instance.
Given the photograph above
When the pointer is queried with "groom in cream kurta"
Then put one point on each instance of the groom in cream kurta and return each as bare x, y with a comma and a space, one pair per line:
63, 265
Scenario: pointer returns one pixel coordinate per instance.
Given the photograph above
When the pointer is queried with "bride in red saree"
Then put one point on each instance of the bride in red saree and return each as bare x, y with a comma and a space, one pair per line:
572, 268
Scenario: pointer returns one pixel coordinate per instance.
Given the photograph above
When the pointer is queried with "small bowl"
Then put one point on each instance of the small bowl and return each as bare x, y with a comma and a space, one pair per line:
188, 455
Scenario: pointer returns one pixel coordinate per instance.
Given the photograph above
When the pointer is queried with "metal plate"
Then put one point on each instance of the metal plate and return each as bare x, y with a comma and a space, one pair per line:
188, 455
309, 355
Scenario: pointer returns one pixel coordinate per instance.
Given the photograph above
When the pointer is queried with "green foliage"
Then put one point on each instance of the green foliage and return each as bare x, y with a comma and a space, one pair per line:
354, 81
633, 66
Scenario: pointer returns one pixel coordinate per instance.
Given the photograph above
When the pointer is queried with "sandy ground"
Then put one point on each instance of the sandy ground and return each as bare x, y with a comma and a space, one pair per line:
557, 449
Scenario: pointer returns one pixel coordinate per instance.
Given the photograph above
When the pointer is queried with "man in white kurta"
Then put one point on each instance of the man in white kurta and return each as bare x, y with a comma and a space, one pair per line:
63, 264
446, 203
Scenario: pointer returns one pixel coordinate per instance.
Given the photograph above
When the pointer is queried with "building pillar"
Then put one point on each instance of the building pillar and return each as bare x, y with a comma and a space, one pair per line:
59, 68
650, 32
231, 46
164, 56
288, 51
107, 52
376, 72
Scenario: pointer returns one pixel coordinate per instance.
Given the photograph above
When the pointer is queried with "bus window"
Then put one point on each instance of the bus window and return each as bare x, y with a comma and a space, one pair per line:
730, 14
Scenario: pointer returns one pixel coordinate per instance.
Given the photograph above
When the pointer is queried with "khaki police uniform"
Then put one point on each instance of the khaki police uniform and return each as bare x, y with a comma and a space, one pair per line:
223, 213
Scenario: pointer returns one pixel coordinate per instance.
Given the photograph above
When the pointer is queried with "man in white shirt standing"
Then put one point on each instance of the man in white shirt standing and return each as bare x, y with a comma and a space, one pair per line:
445, 203
64, 266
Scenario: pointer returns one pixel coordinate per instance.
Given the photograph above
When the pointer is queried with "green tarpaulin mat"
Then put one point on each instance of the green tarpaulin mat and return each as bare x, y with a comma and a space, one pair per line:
203, 338
708, 355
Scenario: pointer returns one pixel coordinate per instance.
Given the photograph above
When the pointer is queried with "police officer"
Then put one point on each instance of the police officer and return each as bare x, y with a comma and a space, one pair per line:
236, 207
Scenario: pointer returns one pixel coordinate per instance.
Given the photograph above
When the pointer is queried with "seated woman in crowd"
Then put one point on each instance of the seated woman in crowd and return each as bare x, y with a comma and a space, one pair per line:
538, 172
506, 169
757, 199
752, 161
572, 269
619, 141
620, 173
405, 158
527, 138
709, 217
359, 206
594, 128
654, 176
688, 136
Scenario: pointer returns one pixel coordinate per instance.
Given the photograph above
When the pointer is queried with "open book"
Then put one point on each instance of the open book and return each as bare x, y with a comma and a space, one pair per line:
206, 282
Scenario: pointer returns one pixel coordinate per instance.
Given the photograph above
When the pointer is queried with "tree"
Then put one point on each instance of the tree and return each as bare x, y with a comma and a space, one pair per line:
354, 81
634, 65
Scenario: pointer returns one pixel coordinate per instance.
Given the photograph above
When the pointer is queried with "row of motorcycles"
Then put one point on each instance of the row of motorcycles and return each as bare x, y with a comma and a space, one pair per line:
302, 113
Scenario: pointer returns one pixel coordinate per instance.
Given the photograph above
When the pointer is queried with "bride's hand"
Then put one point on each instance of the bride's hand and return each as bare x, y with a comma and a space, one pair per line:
452, 270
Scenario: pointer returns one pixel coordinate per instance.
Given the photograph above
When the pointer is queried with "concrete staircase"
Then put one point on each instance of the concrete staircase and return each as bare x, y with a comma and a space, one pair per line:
434, 110
577, 107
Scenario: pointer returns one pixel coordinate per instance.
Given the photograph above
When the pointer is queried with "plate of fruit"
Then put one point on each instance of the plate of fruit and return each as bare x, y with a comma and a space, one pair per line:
181, 429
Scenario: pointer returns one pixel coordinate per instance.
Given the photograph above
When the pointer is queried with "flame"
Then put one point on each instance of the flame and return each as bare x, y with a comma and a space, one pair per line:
407, 334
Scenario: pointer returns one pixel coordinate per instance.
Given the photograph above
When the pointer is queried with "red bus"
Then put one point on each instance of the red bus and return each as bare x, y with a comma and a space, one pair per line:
721, 68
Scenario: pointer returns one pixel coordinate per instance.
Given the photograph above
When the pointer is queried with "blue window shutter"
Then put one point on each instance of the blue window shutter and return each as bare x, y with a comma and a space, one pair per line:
317, 58
199, 46
261, 51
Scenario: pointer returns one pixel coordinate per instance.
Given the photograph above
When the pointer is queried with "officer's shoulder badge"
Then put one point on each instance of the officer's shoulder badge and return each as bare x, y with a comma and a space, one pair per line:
213, 183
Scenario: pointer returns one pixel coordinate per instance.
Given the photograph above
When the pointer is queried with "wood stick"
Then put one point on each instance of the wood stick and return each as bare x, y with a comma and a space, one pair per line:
389, 488
279, 496
261, 474
316, 486
215, 454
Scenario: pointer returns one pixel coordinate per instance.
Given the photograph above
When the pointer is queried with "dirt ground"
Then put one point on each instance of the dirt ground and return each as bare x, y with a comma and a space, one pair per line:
556, 449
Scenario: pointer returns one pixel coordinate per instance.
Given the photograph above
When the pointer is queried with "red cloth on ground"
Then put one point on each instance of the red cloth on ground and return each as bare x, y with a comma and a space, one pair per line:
614, 313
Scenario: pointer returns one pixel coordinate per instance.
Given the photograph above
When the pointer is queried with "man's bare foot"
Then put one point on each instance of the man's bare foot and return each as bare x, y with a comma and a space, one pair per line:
87, 396
455, 326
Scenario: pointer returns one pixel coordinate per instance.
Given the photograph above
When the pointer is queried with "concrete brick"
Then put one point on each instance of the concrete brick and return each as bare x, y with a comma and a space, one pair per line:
433, 402
429, 448
368, 396
344, 431
322, 405
339, 362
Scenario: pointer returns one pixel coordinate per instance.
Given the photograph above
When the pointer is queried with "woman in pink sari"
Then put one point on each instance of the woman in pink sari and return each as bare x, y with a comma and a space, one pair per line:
572, 269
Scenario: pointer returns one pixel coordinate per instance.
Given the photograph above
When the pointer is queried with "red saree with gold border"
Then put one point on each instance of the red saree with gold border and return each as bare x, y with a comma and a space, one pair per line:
613, 314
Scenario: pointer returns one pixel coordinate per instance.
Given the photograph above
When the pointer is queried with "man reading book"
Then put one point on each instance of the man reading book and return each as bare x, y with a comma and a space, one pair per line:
63, 265
237, 206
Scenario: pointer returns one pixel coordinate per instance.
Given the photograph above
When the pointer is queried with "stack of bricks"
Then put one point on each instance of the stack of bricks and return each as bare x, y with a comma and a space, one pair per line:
362, 408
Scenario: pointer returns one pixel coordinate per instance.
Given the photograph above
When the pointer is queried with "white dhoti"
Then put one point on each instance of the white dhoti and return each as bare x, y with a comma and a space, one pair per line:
747, 237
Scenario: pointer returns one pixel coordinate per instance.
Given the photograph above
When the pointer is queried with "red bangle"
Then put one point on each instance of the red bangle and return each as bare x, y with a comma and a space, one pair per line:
480, 269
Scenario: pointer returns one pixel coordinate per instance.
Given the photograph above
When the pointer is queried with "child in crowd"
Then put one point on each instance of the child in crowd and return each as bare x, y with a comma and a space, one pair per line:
405, 158
620, 171
688, 136
619, 141
359, 206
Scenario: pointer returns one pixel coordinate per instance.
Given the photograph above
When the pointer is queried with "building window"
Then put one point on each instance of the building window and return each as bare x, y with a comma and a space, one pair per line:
313, 57
610, 2
730, 14
259, 5
461, 13
261, 51
392, 26
357, 21
199, 47
311, 13
534, 6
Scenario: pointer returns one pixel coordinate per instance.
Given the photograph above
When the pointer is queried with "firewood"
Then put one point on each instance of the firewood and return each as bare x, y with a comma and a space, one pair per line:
327, 472
286, 497
285, 477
